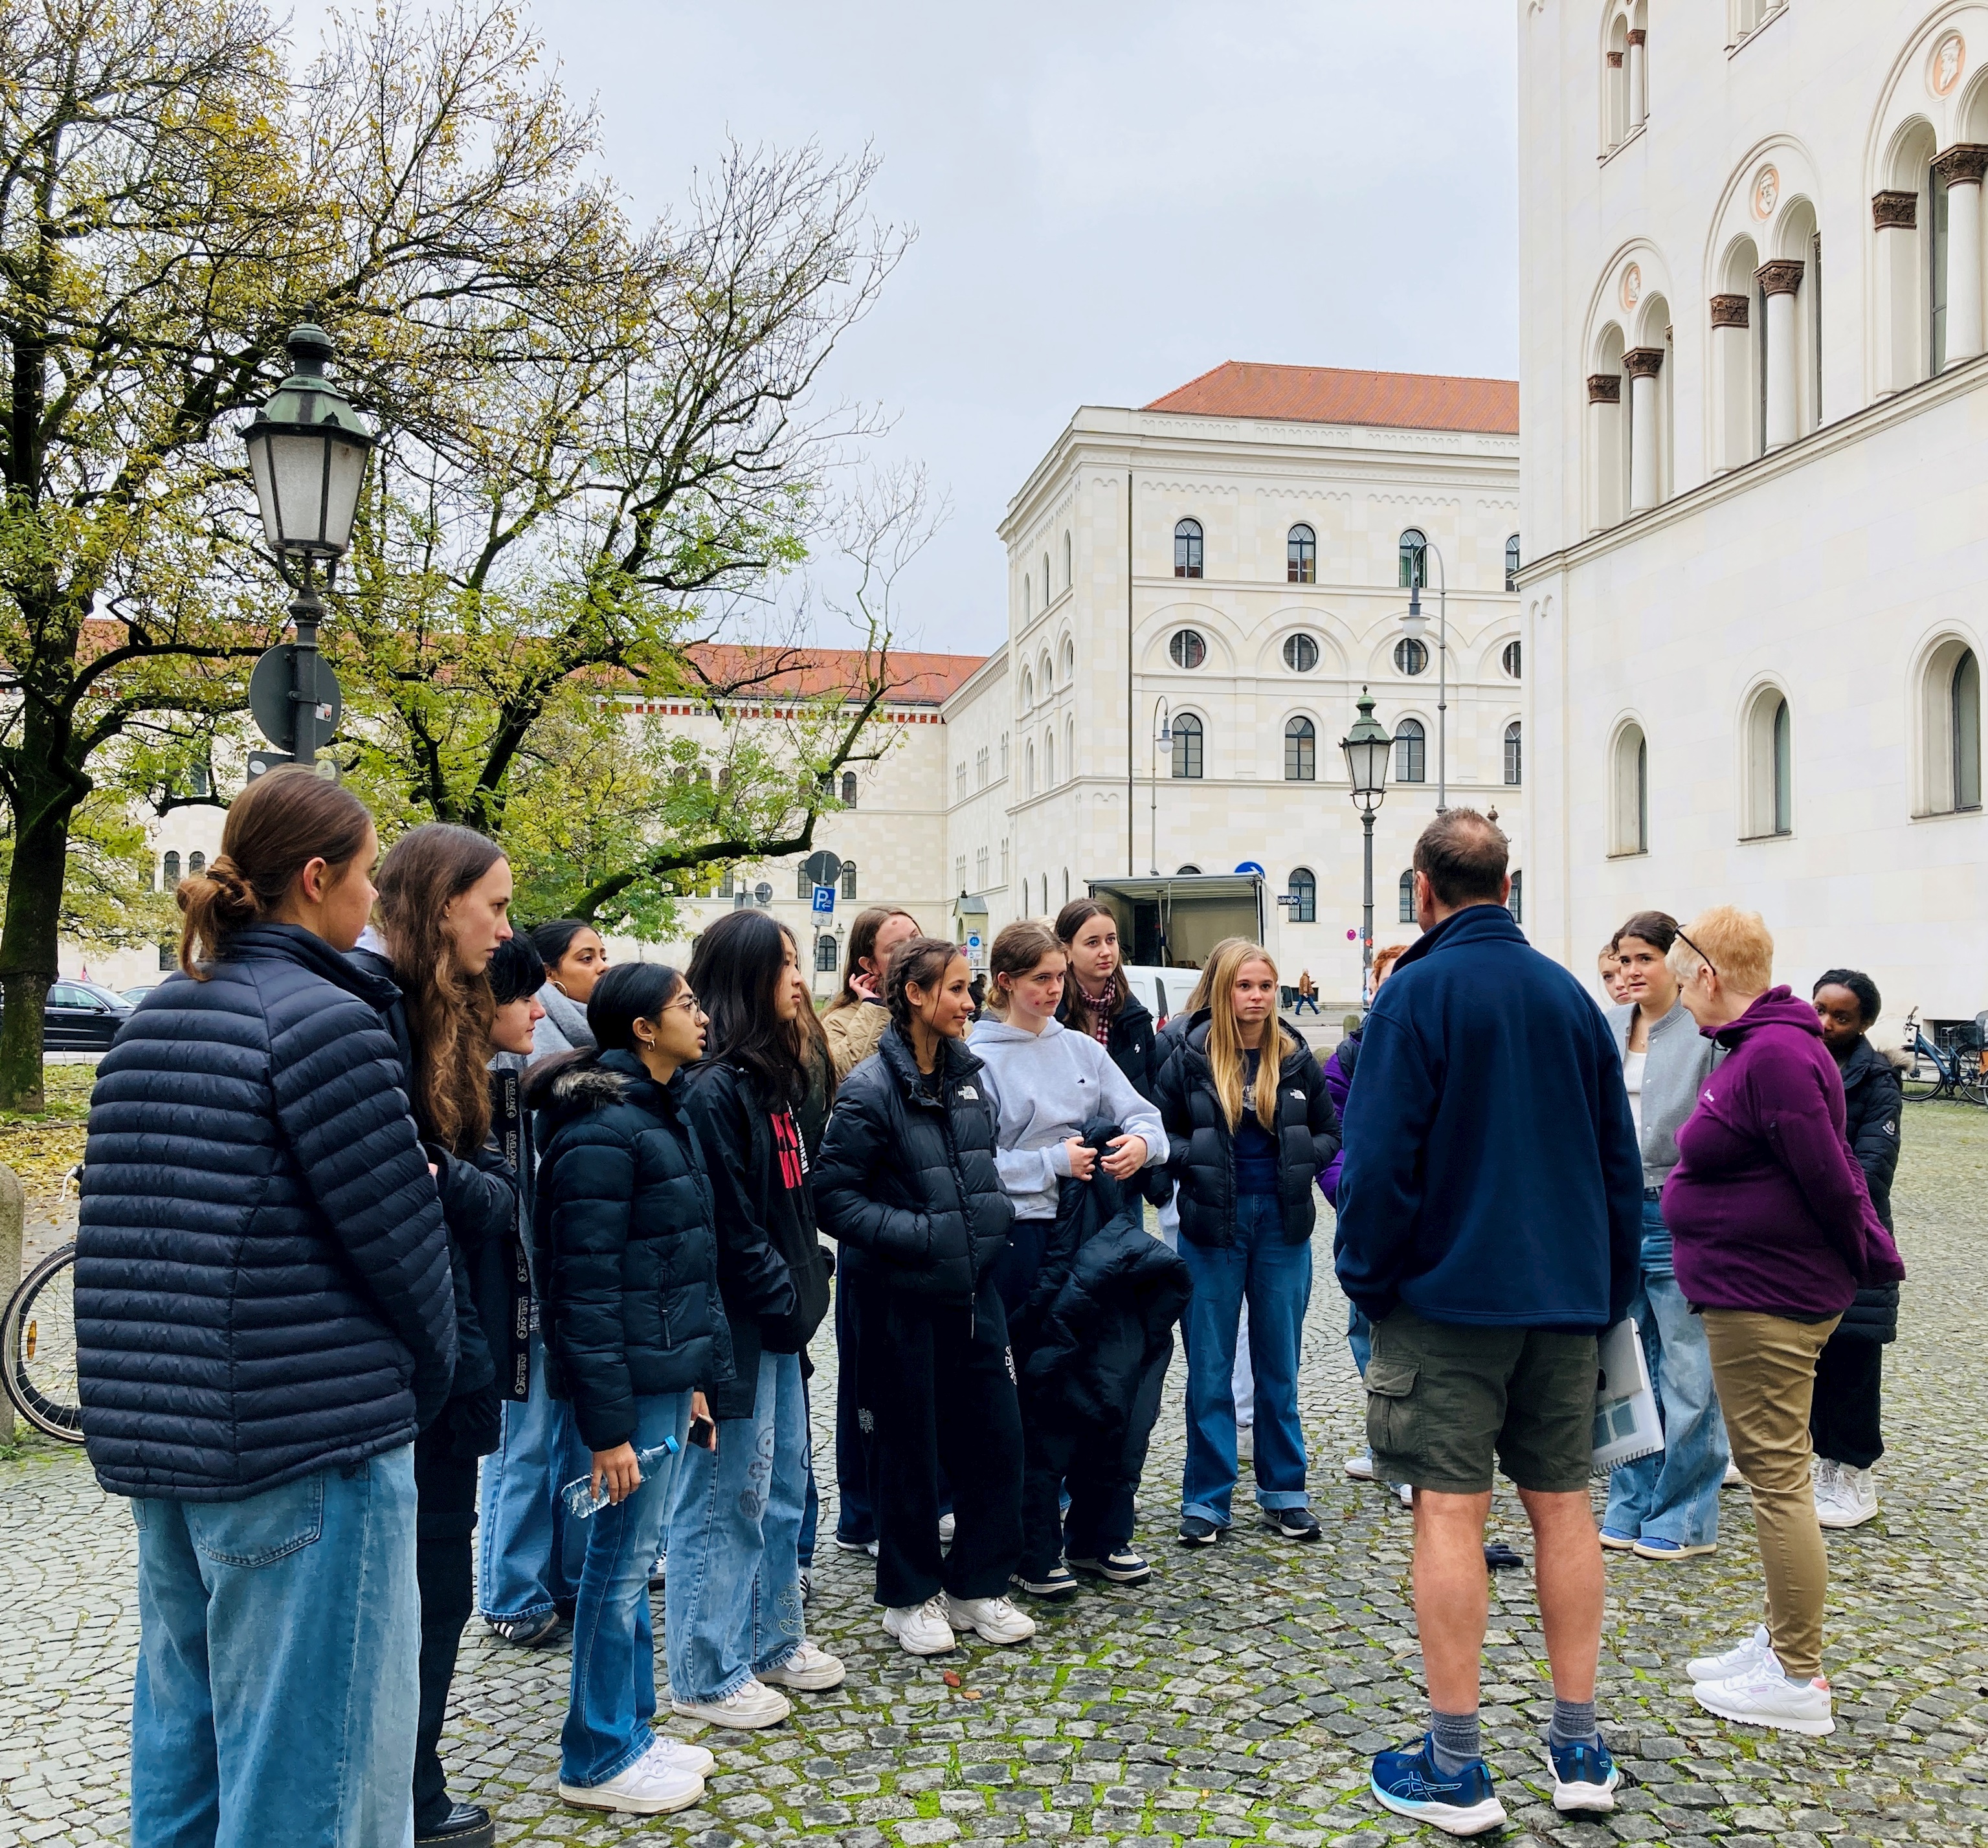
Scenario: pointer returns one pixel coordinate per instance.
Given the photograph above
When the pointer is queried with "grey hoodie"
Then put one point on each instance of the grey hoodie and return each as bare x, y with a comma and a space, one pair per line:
564, 1029
1679, 1058
1045, 1087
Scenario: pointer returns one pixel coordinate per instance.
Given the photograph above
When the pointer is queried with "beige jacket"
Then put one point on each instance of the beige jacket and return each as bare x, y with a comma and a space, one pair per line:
852, 1034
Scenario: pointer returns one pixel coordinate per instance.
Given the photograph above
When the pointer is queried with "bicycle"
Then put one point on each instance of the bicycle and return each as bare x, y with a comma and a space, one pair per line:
1954, 1073
38, 1343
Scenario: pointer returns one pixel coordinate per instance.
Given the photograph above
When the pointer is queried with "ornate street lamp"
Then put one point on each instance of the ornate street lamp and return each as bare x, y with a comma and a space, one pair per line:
1414, 625
307, 451
1367, 747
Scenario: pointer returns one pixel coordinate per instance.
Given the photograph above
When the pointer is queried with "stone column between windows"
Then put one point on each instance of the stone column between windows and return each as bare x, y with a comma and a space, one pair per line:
1604, 426
1779, 280
1617, 104
1961, 168
1639, 79
1643, 363
1894, 216
1731, 327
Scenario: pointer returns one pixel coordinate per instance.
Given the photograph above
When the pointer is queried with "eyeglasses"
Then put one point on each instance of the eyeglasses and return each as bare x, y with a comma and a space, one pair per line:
1696, 951
687, 1001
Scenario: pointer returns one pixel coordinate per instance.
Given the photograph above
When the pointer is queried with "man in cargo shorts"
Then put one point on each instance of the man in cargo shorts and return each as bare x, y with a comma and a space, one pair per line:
1490, 1216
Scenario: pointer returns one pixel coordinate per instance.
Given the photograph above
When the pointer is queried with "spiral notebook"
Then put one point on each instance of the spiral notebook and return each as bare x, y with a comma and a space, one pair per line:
1626, 1424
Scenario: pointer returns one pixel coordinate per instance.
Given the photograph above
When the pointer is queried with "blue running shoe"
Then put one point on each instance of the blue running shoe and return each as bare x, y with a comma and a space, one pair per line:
1584, 1778
1408, 1783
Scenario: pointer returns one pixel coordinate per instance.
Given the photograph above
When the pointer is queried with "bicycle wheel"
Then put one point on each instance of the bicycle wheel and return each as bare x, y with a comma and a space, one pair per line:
1925, 1081
37, 1349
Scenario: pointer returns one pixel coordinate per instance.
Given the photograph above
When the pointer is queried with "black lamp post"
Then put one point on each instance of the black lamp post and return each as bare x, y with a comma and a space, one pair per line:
1367, 746
307, 450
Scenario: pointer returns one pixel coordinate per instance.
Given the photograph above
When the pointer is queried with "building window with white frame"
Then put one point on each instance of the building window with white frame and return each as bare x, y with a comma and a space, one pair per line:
1300, 751
959, 781
1304, 896
824, 954
1301, 555
1187, 549
1188, 648
980, 768
803, 885
1411, 752
1413, 554
1512, 658
1301, 653
1511, 563
1516, 903
1187, 744
979, 867
849, 788
959, 870
849, 879
1515, 759
1406, 910
1629, 792
1769, 793
1004, 757
1950, 706
1411, 657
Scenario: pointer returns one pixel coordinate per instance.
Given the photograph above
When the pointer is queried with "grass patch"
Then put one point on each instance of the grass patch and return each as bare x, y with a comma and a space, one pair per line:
42, 1147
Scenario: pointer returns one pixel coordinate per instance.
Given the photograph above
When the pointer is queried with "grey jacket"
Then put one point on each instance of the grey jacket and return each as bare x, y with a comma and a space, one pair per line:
1680, 1057
564, 1029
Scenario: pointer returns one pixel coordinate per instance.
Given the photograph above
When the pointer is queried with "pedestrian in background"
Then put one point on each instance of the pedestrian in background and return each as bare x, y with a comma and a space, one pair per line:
909, 1190
1846, 1423
1307, 993
1665, 1506
256, 1193
575, 959
1773, 1235
856, 1019
1490, 1209
1099, 1000
627, 1240
1250, 1127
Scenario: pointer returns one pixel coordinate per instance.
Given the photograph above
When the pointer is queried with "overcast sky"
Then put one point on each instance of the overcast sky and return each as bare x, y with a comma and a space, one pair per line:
1109, 198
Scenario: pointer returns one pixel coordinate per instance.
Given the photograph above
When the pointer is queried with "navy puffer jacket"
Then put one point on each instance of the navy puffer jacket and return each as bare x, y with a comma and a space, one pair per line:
262, 1285
625, 1245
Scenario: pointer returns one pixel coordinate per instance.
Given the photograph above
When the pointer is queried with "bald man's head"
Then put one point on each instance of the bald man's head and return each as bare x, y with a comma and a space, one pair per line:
1463, 856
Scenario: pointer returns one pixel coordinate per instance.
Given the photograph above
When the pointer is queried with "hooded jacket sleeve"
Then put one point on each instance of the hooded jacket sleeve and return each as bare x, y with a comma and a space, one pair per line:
1796, 1123
753, 1276
1176, 1112
858, 1146
586, 1201
1382, 1183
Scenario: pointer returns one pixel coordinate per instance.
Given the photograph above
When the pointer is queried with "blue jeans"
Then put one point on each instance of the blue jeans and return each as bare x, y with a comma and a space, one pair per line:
1673, 1496
614, 1691
733, 1603
1275, 1278
277, 1686
1359, 1336
529, 1553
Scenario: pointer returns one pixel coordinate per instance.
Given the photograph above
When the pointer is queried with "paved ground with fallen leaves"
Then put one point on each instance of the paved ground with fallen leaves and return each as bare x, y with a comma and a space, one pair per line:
1236, 1698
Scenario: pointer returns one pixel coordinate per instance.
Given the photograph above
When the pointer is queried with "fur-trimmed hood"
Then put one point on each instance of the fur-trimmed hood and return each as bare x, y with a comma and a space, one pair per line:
569, 1085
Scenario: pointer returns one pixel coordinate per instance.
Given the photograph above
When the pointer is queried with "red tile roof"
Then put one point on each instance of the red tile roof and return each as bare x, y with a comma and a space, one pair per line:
915, 680
1326, 394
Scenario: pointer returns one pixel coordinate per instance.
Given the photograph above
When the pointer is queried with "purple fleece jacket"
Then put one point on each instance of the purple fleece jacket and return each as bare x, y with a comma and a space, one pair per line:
1766, 1207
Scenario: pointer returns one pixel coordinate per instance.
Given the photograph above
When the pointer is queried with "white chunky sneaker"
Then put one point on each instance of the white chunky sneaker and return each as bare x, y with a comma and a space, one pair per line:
1762, 1696
993, 1619
678, 1754
1853, 1498
922, 1629
948, 1526
1734, 1661
808, 1668
644, 1788
745, 1710
1732, 1478
1360, 1466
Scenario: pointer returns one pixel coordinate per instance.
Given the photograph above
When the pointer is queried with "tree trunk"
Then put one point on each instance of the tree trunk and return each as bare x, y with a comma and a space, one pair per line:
45, 798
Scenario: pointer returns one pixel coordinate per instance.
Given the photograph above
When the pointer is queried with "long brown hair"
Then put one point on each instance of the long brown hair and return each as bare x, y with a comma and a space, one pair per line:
811, 1047
1226, 1062
275, 828
1077, 1005
1016, 951
863, 943
449, 1012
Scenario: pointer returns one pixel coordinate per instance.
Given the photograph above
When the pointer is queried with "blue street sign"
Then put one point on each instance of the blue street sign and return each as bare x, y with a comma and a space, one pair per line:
1250, 866
824, 901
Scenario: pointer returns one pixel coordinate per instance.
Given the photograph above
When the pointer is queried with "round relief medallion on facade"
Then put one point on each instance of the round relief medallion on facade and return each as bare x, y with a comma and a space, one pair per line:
1632, 284
1766, 193
1949, 59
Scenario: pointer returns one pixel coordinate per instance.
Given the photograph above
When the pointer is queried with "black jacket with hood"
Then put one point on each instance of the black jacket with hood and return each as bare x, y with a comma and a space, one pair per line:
1873, 1104
1201, 1147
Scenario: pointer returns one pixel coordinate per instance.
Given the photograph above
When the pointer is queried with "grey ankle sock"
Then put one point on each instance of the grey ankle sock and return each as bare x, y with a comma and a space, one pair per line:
1453, 1740
1573, 1723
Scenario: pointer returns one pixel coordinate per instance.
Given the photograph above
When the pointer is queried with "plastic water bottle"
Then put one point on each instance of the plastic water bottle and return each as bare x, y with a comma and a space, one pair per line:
581, 1501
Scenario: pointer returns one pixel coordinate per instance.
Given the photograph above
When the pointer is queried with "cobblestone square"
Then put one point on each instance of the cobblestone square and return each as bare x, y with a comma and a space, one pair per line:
1235, 1698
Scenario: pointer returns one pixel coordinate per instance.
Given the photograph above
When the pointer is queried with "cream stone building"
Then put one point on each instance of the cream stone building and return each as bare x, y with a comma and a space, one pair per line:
1756, 438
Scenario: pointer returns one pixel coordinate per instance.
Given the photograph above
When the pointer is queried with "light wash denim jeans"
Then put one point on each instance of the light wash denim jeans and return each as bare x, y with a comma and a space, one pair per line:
1275, 1278
614, 1690
733, 1602
278, 1639
529, 1554
1242, 1382
1673, 1496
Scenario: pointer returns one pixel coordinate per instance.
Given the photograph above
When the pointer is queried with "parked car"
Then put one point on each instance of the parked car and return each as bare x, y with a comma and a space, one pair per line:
82, 1017
135, 995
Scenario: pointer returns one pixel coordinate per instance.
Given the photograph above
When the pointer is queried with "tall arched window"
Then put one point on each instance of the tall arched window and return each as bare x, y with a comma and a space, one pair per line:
1188, 740
849, 788
1187, 549
1629, 792
1028, 768
1964, 707
1411, 752
824, 954
1516, 904
1027, 690
1049, 760
1304, 897
1511, 563
1514, 755
172, 873
803, 885
1069, 563
1301, 555
1950, 722
1414, 558
849, 879
1769, 795
1300, 752
1069, 662
1406, 912
196, 864
1046, 580
1784, 771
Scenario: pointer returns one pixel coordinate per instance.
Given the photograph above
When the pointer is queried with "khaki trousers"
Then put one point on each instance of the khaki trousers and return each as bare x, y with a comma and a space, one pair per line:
1764, 1367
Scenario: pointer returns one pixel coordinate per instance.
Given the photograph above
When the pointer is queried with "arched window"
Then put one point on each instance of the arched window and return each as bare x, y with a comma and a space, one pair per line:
1304, 897
1187, 549
1028, 596
1514, 755
1411, 752
1184, 872
1049, 760
1187, 744
1069, 563
803, 885
1512, 659
1300, 752
1414, 558
1516, 904
1629, 792
1964, 705
1951, 724
1784, 771
849, 788
849, 879
1187, 648
1069, 662
1511, 563
1301, 653
1028, 689
1770, 791
172, 873
1301, 555
1406, 913
1029, 769
1411, 657
824, 955
1046, 580
196, 864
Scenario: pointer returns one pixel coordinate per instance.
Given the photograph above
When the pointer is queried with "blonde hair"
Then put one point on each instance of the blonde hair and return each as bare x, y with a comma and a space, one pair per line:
1226, 1062
1199, 999
1016, 951
1737, 943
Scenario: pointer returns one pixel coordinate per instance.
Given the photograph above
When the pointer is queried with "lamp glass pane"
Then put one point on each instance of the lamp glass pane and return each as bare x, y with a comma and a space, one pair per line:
348, 469
297, 463
265, 492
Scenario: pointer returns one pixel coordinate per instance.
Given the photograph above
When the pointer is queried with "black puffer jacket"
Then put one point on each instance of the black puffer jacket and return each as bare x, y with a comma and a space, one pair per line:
1134, 1042
625, 1244
1873, 1106
263, 1284
1201, 1150
908, 1185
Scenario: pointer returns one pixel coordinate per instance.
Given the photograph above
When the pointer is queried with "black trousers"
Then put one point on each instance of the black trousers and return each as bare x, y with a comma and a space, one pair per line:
936, 1389
853, 1520
445, 1519
1849, 1390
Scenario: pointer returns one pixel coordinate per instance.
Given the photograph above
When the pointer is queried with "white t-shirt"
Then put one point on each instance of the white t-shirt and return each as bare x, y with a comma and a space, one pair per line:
1632, 1077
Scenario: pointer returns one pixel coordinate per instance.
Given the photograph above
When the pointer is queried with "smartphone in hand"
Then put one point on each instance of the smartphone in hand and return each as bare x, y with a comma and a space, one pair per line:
704, 1434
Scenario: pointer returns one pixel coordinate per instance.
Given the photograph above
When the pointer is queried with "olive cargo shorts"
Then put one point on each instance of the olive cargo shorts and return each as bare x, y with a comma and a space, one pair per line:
1441, 1398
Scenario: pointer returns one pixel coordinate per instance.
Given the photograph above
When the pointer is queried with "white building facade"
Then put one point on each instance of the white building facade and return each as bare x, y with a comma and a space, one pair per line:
1755, 437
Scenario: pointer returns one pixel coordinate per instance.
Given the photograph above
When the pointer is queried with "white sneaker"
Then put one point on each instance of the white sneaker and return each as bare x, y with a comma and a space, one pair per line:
745, 1710
947, 1527
678, 1754
1732, 1478
922, 1629
1853, 1498
808, 1668
1407, 1493
993, 1619
646, 1788
1762, 1696
1361, 1468
1734, 1661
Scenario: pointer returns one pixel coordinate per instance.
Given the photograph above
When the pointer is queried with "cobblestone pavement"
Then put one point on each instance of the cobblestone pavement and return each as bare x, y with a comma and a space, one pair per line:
1236, 1698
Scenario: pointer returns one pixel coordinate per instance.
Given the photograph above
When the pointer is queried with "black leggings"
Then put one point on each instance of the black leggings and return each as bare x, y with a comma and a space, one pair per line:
1849, 1390
446, 1519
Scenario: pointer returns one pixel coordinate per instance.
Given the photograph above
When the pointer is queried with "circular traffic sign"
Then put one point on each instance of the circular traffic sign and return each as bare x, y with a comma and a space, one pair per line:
271, 701
822, 868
